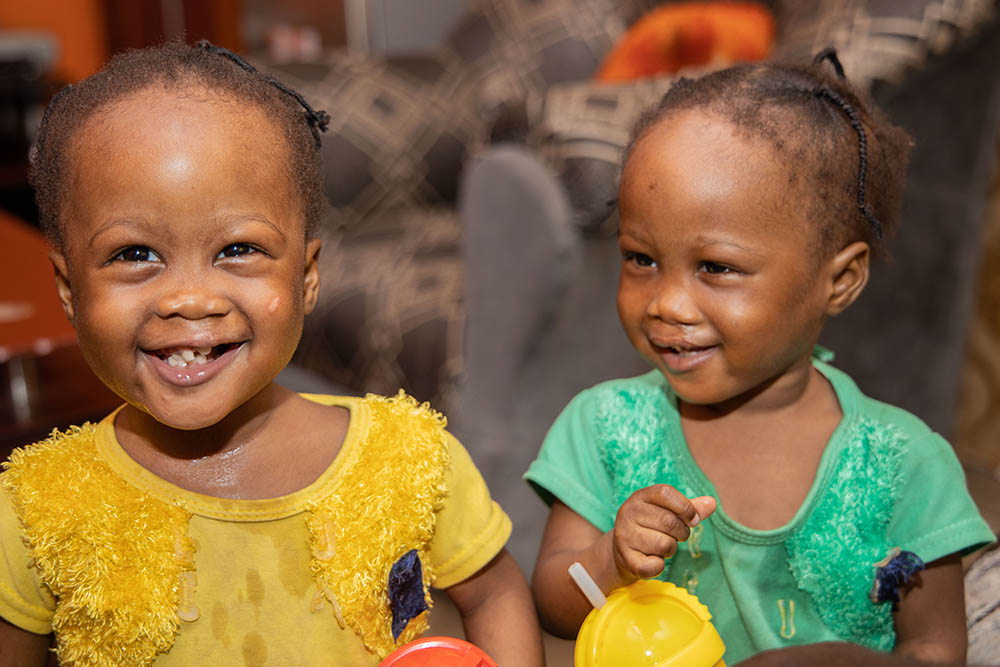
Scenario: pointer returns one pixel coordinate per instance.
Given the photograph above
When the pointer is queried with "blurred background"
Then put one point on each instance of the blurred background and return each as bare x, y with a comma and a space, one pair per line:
471, 167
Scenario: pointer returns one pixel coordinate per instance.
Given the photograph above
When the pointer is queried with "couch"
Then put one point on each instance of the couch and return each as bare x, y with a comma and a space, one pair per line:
470, 255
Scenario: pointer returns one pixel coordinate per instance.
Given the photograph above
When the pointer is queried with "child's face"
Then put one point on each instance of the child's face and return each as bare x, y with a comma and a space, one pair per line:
720, 285
185, 266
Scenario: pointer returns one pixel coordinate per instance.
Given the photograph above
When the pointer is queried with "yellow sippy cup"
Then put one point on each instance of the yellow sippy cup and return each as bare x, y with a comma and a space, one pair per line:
649, 623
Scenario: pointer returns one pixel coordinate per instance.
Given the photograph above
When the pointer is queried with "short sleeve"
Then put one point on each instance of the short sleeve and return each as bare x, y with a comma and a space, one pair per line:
569, 465
471, 528
934, 515
24, 600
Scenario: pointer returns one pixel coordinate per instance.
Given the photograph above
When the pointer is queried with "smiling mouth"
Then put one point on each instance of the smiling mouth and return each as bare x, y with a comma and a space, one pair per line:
686, 351
183, 357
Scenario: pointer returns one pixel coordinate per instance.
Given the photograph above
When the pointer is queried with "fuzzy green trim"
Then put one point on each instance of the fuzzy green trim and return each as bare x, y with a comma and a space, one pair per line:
833, 555
631, 432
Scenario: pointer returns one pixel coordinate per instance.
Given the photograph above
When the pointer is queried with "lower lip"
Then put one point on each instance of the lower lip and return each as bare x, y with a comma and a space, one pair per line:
193, 374
683, 363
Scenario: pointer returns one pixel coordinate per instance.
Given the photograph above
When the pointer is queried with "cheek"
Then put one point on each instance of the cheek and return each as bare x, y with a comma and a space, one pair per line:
630, 298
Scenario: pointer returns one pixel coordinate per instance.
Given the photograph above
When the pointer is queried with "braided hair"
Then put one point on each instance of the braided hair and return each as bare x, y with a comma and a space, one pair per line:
849, 154
174, 65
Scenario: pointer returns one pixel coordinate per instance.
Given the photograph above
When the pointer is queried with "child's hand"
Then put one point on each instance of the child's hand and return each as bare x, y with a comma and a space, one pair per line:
650, 524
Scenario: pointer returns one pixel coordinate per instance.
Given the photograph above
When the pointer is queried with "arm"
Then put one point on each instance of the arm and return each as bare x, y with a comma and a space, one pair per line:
495, 605
648, 527
20, 648
930, 628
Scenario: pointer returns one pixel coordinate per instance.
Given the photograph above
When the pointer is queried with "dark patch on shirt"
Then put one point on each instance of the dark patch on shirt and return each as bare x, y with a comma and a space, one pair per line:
406, 591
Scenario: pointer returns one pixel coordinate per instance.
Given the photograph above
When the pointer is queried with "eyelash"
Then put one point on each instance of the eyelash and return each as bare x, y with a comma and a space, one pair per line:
149, 255
645, 261
122, 255
638, 258
247, 248
715, 268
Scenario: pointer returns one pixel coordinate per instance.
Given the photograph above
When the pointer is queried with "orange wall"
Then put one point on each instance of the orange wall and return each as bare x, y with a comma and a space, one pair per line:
78, 26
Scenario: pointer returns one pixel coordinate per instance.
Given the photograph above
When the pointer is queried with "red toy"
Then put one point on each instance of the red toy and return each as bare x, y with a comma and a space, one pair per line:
438, 652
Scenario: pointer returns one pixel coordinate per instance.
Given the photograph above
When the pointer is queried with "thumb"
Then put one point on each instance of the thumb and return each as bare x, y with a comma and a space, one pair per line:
704, 506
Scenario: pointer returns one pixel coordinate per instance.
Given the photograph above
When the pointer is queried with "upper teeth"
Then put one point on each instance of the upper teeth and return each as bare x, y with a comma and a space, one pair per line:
182, 357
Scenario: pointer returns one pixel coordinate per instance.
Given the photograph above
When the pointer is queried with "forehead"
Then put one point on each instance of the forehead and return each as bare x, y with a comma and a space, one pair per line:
695, 165
176, 154
188, 113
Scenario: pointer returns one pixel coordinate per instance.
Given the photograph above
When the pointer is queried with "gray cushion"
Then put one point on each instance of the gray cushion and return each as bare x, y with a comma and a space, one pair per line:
390, 311
400, 129
877, 40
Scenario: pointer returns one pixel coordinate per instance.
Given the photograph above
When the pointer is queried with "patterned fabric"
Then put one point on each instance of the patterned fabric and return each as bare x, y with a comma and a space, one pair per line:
399, 133
515, 49
982, 604
390, 311
876, 40
581, 131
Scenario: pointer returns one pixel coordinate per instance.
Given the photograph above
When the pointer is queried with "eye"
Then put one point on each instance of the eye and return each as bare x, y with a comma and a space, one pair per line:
638, 259
136, 253
237, 250
716, 268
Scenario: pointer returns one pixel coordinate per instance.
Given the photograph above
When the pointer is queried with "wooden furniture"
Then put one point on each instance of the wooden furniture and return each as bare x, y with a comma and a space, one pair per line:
44, 382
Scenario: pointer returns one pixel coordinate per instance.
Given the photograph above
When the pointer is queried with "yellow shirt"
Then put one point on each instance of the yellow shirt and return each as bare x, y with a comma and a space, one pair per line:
254, 586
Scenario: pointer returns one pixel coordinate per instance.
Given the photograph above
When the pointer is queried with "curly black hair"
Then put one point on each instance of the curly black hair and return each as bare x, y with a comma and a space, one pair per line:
833, 135
174, 65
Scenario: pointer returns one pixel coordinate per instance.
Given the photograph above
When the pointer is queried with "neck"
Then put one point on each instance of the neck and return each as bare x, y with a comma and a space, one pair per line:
802, 384
137, 429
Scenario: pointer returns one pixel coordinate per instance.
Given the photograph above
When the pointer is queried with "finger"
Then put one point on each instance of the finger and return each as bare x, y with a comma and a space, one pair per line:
704, 506
655, 518
643, 565
671, 499
649, 542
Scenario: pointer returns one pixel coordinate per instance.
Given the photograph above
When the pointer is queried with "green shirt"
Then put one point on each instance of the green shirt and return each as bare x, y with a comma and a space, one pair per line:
885, 480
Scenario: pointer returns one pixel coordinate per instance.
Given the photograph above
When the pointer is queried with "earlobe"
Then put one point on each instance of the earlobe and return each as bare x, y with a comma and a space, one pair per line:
849, 275
62, 284
310, 283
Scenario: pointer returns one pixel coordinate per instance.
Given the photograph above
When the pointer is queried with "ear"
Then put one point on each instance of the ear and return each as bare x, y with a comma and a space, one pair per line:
62, 284
849, 275
310, 283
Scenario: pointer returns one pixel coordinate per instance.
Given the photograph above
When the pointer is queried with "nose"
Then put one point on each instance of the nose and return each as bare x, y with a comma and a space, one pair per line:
673, 303
192, 297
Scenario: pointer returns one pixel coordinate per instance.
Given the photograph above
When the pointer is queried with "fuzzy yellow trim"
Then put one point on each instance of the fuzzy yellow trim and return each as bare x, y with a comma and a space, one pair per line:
116, 559
384, 506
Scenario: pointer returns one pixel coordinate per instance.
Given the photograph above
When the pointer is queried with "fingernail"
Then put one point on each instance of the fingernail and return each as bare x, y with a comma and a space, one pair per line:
695, 521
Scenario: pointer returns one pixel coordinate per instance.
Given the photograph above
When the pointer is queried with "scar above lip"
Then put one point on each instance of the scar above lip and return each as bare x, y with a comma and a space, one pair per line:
273, 306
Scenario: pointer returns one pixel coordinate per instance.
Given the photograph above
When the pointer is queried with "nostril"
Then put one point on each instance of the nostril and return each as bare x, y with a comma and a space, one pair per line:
193, 304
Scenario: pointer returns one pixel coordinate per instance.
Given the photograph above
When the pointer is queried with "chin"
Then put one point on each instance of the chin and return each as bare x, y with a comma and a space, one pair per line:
187, 422
174, 415
695, 393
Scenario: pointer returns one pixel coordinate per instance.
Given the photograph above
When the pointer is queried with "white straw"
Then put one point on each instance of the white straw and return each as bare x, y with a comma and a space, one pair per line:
587, 585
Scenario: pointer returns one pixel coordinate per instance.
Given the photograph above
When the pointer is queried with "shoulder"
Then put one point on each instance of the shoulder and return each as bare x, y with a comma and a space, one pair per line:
391, 421
870, 413
44, 463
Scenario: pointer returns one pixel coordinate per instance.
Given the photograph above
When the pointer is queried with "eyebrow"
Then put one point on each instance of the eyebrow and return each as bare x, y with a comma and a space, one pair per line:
229, 220
731, 244
256, 218
111, 224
